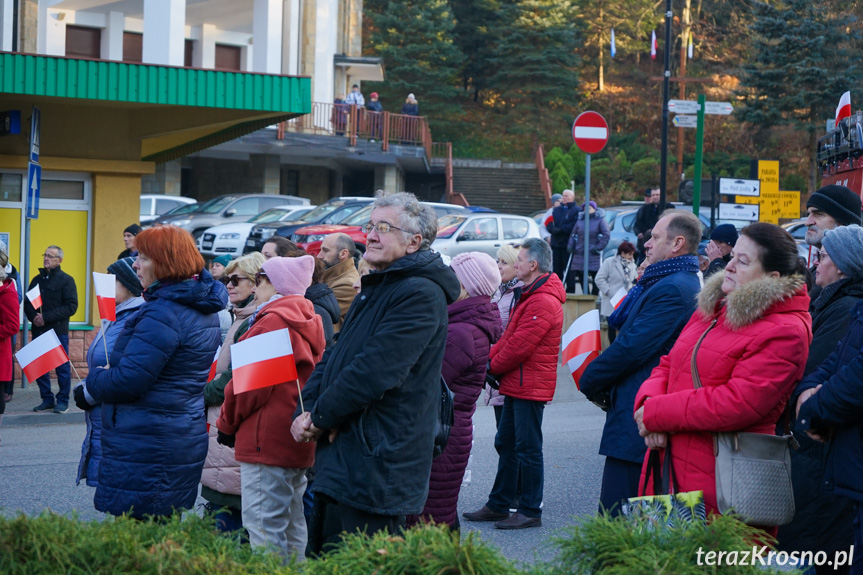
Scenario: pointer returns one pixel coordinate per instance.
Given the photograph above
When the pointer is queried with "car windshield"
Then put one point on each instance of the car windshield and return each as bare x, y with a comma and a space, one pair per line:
183, 209
321, 212
271, 215
215, 205
359, 218
447, 225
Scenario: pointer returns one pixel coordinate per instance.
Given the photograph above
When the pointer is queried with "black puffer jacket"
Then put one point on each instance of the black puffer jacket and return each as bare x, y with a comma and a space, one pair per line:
379, 386
326, 306
59, 301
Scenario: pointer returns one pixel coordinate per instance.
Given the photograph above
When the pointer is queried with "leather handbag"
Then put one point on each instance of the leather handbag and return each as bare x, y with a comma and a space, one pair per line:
445, 419
753, 470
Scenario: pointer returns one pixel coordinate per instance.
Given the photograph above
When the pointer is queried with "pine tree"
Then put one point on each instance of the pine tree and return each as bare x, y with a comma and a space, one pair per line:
803, 58
476, 20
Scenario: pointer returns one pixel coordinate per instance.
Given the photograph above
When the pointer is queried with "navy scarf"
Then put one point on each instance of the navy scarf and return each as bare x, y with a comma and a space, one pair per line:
652, 274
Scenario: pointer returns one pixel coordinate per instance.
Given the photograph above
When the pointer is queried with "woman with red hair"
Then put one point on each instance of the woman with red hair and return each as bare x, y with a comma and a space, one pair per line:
154, 436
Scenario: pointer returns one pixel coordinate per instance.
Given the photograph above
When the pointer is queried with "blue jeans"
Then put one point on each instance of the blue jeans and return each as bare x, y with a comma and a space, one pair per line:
64, 377
519, 446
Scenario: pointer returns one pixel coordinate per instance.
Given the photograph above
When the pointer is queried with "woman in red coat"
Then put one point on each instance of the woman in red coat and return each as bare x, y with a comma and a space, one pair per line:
8, 324
749, 362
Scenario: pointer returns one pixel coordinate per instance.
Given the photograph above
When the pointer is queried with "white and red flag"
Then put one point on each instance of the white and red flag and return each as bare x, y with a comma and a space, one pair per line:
843, 110
106, 295
35, 297
212, 373
41, 355
618, 298
653, 44
263, 361
581, 343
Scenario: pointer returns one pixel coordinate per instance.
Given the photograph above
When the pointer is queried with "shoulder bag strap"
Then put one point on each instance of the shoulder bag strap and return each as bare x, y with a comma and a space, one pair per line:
696, 379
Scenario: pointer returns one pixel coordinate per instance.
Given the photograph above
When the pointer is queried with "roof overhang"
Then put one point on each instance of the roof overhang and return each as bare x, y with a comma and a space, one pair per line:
367, 68
140, 111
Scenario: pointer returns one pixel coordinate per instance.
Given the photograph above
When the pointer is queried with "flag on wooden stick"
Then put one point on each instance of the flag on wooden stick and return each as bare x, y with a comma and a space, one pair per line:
41, 355
263, 361
581, 343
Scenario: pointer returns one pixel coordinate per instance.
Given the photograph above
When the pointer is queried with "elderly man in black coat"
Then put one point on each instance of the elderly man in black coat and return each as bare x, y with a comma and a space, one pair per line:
564, 217
371, 401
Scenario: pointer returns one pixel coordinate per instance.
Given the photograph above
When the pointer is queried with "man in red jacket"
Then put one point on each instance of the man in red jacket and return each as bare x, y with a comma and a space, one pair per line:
526, 360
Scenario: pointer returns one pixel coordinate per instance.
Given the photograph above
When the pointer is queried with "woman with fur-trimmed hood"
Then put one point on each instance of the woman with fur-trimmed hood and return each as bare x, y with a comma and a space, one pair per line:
753, 354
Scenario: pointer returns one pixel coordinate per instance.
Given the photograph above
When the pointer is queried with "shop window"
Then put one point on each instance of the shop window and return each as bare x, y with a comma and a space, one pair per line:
228, 57
133, 47
10, 187
83, 42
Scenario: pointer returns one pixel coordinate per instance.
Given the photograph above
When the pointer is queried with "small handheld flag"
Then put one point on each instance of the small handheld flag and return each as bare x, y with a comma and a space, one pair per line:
618, 298
581, 343
35, 297
106, 295
41, 355
843, 110
653, 45
263, 361
212, 373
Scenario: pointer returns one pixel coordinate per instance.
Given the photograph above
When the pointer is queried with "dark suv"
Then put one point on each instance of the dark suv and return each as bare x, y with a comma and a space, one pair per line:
333, 211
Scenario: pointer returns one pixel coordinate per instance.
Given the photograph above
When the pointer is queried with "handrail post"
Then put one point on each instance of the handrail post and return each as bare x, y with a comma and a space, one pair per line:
353, 124
385, 144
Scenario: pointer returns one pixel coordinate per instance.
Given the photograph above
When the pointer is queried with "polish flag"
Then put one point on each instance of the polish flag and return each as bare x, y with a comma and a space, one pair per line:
843, 110
581, 343
617, 299
212, 373
263, 361
106, 295
41, 355
35, 297
653, 44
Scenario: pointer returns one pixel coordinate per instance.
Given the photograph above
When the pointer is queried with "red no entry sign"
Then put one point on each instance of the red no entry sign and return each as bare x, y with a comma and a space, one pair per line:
590, 132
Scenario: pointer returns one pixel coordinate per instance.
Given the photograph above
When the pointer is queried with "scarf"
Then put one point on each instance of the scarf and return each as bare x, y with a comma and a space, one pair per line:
628, 274
257, 309
507, 286
652, 274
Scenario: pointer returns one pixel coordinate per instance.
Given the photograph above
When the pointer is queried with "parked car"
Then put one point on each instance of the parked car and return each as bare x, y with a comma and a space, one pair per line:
155, 205
482, 232
797, 229
231, 238
333, 211
225, 208
310, 237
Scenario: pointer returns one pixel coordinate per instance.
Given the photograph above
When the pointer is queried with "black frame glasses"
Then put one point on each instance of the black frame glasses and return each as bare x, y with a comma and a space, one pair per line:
259, 275
234, 280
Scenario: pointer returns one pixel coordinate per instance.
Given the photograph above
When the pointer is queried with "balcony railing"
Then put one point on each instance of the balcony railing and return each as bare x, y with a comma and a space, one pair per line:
355, 123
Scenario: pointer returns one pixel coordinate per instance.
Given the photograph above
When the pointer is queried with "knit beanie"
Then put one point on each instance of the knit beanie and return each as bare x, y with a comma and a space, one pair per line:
726, 233
839, 202
556, 198
122, 268
290, 276
477, 272
134, 229
223, 259
844, 245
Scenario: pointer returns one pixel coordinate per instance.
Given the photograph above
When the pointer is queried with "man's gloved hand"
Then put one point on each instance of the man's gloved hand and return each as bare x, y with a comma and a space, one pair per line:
602, 401
227, 440
81, 399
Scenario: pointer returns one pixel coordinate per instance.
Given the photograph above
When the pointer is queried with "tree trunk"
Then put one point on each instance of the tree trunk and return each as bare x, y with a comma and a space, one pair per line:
601, 47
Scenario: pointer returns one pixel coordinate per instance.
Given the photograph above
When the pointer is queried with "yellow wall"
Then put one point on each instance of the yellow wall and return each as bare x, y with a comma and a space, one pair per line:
68, 230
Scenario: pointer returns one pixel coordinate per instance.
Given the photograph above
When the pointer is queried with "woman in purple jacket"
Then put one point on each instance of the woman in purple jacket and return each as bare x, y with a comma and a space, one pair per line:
474, 324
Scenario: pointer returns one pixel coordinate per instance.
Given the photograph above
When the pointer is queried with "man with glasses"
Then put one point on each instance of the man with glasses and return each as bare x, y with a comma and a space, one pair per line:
371, 403
337, 253
59, 303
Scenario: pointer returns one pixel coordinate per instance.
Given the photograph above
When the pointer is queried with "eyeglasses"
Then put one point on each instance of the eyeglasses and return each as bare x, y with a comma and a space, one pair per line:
259, 276
234, 280
821, 255
382, 228
51, 256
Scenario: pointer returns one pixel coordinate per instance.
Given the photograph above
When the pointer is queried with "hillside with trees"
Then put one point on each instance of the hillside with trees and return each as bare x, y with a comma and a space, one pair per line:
498, 78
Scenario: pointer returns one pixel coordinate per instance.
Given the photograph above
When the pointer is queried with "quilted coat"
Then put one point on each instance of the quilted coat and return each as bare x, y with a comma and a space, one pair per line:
526, 355
597, 240
154, 433
749, 364
474, 324
261, 418
8, 326
91, 448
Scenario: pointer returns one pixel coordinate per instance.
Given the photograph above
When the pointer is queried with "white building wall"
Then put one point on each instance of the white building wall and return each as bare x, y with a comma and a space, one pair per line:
324, 89
164, 32
6, 25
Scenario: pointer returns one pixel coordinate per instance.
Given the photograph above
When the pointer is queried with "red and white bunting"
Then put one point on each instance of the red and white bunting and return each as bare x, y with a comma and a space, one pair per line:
106, 295
41, 355
263, 361
653, 44
212, 373
618, 298
843, 110
35, 297
581, 343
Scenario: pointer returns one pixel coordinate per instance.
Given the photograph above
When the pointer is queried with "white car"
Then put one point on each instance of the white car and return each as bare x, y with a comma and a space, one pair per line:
481, 232
155, 205
231, 238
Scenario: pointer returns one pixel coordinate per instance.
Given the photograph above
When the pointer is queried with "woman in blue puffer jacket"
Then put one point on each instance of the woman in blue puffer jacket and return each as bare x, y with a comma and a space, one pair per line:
128, 296
154, 432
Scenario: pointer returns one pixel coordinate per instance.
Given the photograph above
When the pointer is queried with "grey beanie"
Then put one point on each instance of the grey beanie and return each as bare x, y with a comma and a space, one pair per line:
556, 198
122, 268
844, 245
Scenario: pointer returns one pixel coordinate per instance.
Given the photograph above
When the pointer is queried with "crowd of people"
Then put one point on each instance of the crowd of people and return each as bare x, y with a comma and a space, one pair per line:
756, 344
369, 113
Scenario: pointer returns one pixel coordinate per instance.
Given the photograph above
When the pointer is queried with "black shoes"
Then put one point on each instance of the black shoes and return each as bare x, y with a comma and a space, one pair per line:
518, 521
44, 406
485, 514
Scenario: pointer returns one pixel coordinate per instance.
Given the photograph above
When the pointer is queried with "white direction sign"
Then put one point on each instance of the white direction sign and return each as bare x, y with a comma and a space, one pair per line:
683, 107
739, 187
683, 121
748, 212
722, 108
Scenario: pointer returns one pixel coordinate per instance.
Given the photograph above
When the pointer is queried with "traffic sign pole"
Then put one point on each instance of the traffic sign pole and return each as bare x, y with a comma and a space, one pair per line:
584, 275
590, 134
699, 153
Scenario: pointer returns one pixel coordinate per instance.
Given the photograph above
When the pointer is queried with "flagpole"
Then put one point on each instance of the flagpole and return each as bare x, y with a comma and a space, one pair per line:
300, 396
76, 372
105, 341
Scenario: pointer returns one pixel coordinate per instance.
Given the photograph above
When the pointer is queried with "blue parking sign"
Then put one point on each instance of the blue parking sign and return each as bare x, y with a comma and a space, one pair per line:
34, 184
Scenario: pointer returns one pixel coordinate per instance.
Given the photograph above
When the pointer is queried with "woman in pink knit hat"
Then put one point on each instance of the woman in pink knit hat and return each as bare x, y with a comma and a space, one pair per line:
258, 422
474, 324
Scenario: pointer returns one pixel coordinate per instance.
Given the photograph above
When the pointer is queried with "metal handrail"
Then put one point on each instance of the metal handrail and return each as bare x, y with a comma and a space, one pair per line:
544, 180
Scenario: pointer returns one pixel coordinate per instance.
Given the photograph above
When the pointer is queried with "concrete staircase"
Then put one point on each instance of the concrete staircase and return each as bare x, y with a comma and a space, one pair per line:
508, 188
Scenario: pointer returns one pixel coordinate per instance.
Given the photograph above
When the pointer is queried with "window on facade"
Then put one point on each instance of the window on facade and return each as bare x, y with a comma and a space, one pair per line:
10, 187
83, 42
133, 47
61, 190
189, 49
228, 57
